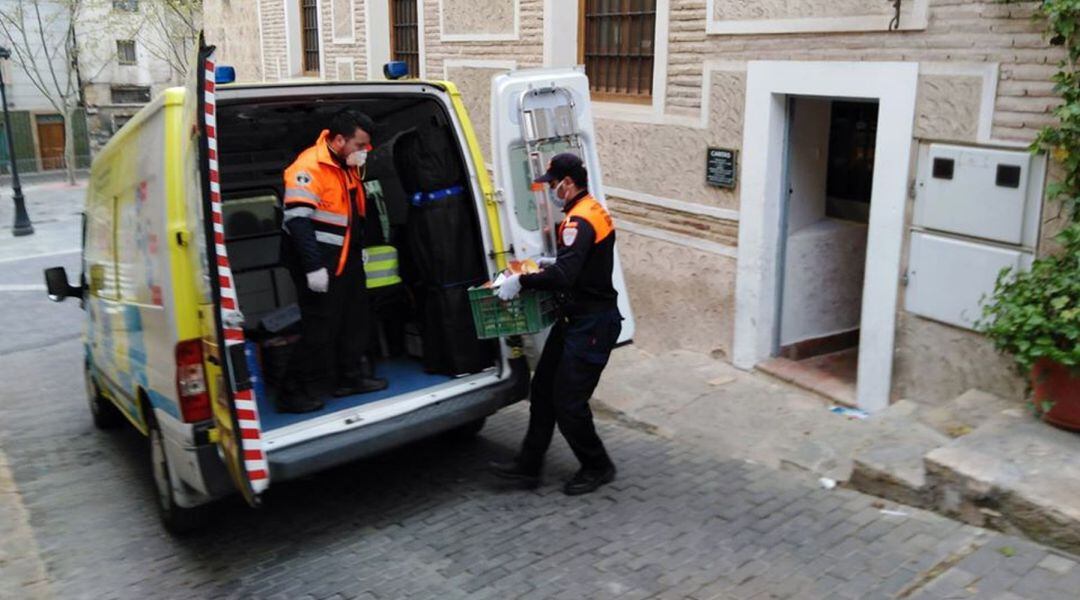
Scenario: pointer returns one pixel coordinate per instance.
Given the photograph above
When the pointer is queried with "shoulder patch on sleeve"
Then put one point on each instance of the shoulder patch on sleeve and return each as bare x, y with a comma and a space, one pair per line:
569, 235
303, 178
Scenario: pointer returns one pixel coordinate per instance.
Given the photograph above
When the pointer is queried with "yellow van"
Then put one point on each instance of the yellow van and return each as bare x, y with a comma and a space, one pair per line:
186, 296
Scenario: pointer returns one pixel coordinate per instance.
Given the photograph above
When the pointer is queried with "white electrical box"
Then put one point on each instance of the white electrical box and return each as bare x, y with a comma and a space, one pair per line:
948, 277
980, 192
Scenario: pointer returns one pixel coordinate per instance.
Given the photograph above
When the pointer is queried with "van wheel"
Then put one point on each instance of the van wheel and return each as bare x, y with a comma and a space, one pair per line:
176, 519
467, 431
104, 412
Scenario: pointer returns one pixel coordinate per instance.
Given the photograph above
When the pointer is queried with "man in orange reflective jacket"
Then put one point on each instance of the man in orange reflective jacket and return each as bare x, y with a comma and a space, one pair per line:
580, 343
324, 219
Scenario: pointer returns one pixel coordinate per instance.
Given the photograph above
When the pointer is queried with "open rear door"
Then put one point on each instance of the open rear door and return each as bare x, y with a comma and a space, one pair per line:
235, 412
536, 114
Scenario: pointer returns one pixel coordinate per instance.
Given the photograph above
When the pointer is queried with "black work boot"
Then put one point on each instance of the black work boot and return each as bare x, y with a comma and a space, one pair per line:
527, 477
588, 480
297, 400
363, 381
359, 385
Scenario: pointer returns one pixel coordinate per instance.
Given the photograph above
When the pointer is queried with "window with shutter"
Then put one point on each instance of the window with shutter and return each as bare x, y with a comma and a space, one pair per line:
404, 34
616, 43
309, 35
125, 52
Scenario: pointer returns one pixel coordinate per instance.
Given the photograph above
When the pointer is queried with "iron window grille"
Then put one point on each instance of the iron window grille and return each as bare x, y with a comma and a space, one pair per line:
404, 34
616, 44
309, 32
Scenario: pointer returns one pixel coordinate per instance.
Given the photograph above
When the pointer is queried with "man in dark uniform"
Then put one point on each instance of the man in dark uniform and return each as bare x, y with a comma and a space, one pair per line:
580, 341
324, 219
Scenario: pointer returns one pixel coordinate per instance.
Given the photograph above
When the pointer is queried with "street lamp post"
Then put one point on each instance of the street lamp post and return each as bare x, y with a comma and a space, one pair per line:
22, 218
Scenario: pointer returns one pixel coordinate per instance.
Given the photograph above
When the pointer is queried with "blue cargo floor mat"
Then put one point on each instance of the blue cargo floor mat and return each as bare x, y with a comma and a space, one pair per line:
404, 374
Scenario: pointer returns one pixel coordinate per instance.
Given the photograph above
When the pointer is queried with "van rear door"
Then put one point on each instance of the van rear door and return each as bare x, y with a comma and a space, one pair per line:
235, 413
535, 115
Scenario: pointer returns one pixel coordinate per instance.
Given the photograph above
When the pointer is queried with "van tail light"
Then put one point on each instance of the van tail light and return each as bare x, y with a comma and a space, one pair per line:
191, 386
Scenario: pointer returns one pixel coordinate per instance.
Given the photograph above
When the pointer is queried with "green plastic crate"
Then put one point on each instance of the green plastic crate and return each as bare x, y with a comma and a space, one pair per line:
530, 312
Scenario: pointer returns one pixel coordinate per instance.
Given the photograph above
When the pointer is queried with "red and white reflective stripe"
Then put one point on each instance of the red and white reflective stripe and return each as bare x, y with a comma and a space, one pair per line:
247, 409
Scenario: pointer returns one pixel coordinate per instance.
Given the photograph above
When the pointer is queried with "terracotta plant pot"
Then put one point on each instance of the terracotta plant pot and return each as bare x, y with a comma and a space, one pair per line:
1058, 387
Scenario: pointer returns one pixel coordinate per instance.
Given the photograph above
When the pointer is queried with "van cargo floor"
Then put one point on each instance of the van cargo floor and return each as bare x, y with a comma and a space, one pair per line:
405, 375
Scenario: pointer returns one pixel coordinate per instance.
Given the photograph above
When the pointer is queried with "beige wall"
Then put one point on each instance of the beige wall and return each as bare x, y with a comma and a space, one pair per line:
959, 32
526, 51
471, 17
275, 61
475, 86
947, 107
670, 312
669, 161
934, 363
233, 26
786, 9
351, 47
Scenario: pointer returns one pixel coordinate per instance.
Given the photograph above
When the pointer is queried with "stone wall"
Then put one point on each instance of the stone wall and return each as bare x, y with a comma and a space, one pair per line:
233, 26
669, 161
274, 46
959, 32
344, 54
788, 9
467, 35
484, 17
681, 297
934, 363
474, 83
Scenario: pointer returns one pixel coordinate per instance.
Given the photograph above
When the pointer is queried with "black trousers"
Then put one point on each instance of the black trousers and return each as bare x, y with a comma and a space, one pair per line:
574, 356
335, 329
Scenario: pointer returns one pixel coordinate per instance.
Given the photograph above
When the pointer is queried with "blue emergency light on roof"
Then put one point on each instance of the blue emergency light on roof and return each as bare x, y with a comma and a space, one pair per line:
224, 74
396, 69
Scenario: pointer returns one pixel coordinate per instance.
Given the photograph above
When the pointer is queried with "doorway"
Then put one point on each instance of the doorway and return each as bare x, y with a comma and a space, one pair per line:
822, 255
50, 130
764, 218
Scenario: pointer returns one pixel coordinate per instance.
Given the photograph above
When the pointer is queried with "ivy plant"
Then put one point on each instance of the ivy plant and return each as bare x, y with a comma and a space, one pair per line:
1036, 314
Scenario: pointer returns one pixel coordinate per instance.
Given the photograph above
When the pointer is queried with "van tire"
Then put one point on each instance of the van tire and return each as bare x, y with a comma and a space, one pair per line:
467, 431
176, 519
104, 412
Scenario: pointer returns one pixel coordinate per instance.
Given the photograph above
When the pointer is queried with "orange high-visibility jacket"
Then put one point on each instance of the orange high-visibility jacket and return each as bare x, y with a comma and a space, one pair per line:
322, 199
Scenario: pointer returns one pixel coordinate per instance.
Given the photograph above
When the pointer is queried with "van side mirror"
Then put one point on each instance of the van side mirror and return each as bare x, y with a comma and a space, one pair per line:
56, 282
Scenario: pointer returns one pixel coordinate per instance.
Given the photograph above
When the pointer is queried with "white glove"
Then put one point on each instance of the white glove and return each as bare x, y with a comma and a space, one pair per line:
318, 281
509, 288
545, 261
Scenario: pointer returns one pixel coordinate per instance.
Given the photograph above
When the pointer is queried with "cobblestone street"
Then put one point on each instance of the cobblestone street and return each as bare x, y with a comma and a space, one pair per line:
427, 522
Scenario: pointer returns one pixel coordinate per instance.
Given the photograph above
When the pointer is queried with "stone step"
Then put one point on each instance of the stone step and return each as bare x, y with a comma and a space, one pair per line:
1013, 473
967, 412
891, 466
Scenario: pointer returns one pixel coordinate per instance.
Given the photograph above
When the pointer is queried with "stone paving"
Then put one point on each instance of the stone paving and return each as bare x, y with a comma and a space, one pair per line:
426, 521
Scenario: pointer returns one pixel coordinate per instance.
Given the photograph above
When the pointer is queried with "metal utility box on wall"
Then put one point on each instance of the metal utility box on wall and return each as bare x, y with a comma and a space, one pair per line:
976, 212
980, 193
947, 277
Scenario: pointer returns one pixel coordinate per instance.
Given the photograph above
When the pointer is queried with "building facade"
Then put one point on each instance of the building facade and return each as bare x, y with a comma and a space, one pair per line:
823, 189
37, 124
129, 52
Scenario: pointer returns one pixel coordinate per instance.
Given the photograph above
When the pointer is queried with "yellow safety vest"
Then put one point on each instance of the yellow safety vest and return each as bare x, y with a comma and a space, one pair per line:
381, 266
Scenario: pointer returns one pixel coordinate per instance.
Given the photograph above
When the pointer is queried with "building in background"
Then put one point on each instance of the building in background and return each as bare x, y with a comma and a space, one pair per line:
37, 121
822, 189
129, 52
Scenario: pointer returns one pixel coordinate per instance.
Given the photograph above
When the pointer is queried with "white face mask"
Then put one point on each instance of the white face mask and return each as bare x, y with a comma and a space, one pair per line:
558, 201
356, 159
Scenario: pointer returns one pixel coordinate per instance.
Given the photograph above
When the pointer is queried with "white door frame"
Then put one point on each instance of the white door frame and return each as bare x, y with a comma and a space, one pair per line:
768, 83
